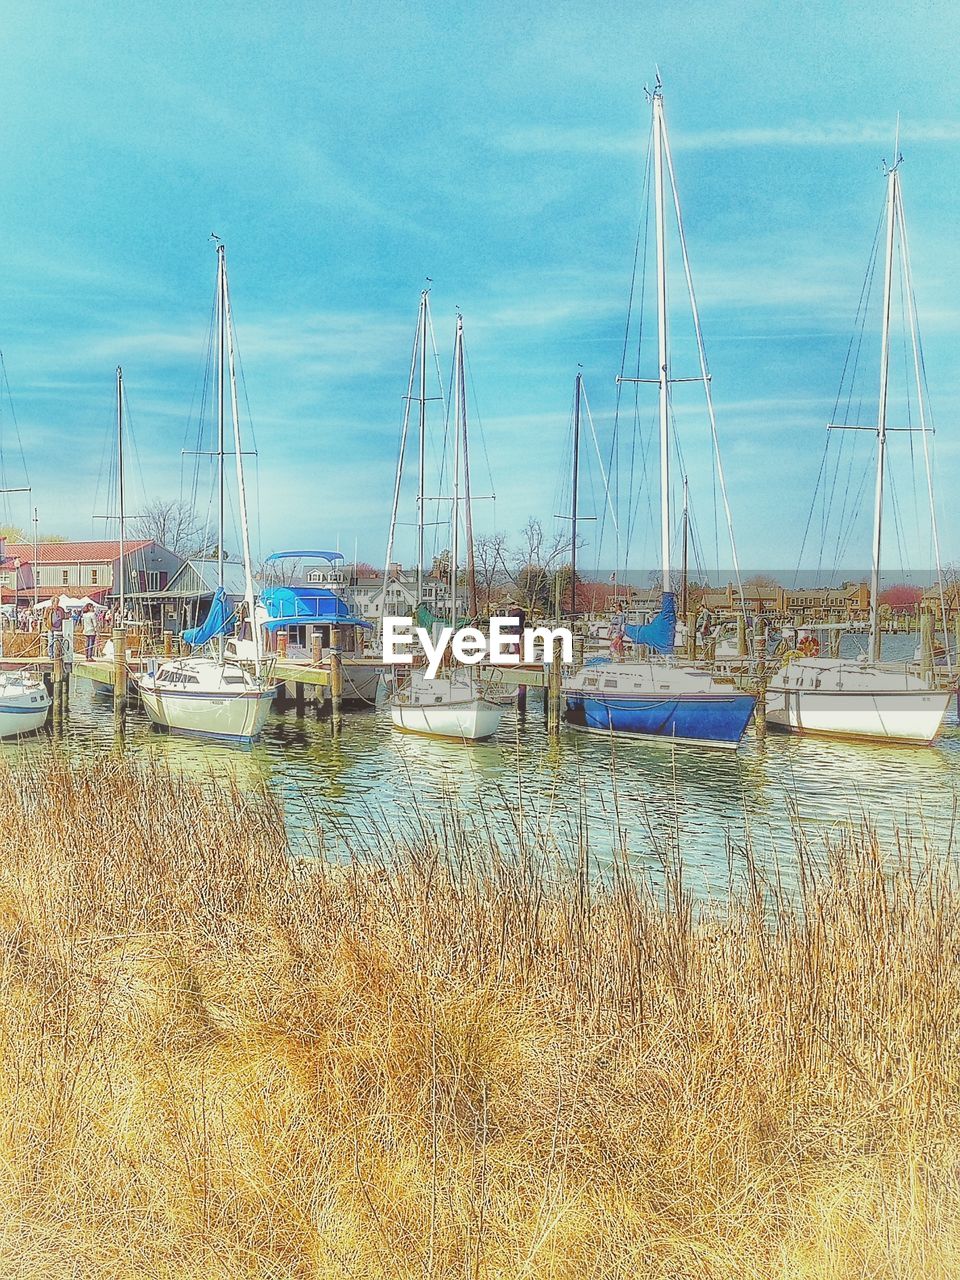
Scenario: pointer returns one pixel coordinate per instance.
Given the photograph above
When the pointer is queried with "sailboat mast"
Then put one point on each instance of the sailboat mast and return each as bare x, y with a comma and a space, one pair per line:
686, 539
221, 369
892, 180
121, 495
455, 516
467, 508
662, 352
421, 444
575, 493
36, 567
248, 595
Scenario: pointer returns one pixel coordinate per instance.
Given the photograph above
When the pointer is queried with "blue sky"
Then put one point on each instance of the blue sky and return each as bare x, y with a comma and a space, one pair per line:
347, 152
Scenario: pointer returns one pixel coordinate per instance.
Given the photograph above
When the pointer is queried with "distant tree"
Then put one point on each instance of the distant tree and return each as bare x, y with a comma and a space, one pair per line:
51, 537
173, 524
488, 553
763, 580
11, 533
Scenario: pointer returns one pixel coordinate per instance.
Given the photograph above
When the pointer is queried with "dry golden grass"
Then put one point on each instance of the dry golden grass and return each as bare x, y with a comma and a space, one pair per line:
218, 1063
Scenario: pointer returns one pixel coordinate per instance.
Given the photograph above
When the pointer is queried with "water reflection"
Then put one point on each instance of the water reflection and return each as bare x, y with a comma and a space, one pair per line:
639, 796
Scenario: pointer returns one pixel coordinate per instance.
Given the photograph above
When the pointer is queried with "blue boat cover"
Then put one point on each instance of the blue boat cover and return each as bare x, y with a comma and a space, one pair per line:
300, 606
218, 621
659, 633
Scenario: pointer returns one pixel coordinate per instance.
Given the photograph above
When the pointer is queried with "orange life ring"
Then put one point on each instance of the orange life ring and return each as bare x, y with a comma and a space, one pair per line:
809, 646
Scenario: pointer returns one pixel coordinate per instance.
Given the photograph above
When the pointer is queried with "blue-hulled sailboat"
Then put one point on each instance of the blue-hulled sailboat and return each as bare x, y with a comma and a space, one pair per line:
656, 698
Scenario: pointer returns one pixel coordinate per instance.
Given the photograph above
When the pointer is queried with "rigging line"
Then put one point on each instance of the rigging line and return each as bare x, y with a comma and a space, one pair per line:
401, 450
806, 527
476, 423
596, 446
898, 530
13, 415
704, 371
909, 400
921, 381
844, 541
857, 337
613, 468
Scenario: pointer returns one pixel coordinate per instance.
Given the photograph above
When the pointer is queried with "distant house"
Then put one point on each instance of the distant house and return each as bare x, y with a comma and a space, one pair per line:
184, 600
85, 568
399, 598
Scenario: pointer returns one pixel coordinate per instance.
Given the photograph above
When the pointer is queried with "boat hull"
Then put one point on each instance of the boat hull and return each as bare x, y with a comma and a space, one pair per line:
714, 720
899, 715
471, 720
24, 712
240, 716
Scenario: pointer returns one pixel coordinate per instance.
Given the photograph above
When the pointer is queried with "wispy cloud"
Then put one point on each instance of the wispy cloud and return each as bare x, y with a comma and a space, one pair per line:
550, 139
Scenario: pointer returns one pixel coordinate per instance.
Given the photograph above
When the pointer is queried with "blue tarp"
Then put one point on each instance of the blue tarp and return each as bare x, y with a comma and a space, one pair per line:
299, 606
219, 621
659, 633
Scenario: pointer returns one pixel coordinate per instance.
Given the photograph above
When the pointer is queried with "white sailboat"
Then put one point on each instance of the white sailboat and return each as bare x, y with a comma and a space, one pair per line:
214, 695
24, 698
454, 704
100, 686
658, 698
867, 698
24, 703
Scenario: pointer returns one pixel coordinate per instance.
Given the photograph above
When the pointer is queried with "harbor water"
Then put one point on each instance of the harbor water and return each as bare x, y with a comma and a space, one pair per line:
344, 794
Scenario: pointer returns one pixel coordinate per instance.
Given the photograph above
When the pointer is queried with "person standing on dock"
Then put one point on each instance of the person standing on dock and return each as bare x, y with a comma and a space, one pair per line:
89, 632
618, 629
53, 624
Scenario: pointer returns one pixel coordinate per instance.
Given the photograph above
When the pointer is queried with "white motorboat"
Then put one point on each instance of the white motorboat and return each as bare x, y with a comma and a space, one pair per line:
867, 698
24, 704
205, 696
451, 706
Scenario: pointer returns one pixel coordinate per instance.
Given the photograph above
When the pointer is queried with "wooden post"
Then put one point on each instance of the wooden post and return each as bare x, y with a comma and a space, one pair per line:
760, 710
316, 649
298, 697
835, 636
336, 680
692, 634
553, 692
57, 674
741, 635
168, 644
119, 667
926, 645
522, 701
281, 645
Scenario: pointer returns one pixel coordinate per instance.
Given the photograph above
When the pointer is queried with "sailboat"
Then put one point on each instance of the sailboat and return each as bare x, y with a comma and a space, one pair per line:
867, 698
454, 704
212, 694
656, 698
101, 686
24, 698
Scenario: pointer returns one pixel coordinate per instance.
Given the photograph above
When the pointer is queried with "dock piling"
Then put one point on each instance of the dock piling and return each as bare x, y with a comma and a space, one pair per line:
119, 668
926, 644
336, 680
553, 693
